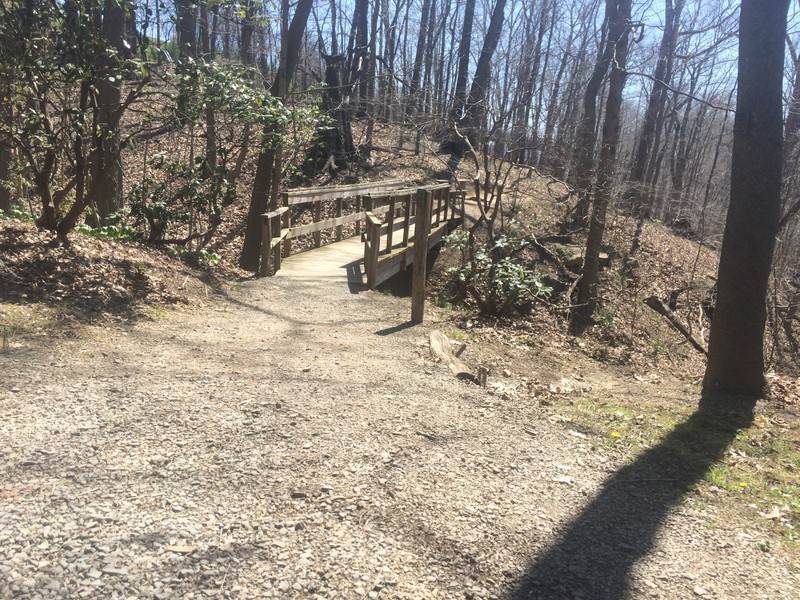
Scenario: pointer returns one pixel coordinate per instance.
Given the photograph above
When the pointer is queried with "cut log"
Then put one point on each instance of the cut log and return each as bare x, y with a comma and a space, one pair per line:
658, 305
440, 345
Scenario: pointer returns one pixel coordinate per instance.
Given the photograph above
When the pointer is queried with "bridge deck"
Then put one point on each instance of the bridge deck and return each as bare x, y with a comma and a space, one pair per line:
339, 261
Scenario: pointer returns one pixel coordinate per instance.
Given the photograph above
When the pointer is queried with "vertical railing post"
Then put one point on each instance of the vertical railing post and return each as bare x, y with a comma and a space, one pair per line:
359, 208
372, 248
317, 235
407, 201
390, 222
275, 234
339, 229
266, 246
286, 222
438, 206
422, 228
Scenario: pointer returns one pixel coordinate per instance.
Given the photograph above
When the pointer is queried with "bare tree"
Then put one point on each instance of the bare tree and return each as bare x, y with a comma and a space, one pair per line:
618, 16
736, 346
267, 176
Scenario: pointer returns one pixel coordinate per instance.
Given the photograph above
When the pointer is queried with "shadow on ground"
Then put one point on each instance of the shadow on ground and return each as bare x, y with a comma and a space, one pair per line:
595, 554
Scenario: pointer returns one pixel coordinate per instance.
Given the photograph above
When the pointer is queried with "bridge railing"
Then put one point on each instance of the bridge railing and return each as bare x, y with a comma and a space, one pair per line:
279, 227
403, 212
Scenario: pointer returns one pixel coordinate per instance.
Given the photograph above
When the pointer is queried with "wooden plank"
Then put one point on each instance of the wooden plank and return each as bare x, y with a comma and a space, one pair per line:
275, 213
303, 195
409, 191
391, 264
358, 210
279, 239
406, 220
395, 227
339, 204
390, 224
436, 235
277, 232
372, 249
317, 215
286, 223
422, 228
398, 259
266, 246
299, 230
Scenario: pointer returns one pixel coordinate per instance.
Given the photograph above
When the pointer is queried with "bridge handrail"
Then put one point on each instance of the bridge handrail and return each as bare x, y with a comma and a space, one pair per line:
378, 209
277, 224
336, 192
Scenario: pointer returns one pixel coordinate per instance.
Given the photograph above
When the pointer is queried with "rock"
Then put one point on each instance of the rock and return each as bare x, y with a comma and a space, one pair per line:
699, 591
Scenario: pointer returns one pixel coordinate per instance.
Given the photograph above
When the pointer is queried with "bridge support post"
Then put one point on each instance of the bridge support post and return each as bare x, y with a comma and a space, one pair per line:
422, 228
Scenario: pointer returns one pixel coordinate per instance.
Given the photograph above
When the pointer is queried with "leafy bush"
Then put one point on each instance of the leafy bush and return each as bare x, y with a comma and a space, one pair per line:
493, 276
14, 213
108, 232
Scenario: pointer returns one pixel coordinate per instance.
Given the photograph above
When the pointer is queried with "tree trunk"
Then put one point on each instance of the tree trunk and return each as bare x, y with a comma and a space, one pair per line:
587, 136
211, 120
6, 116
106, 167
475, 108
359, 56
185, 12
265, 182
736, 345
460, 97
635, 198
416, 73
475, 114
619, 15
372, 107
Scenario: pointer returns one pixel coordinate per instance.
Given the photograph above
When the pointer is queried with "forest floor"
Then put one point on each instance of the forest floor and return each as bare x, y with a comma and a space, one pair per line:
278, 438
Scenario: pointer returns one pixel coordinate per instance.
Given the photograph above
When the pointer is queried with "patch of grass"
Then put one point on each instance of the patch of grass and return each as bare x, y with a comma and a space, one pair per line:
757, 477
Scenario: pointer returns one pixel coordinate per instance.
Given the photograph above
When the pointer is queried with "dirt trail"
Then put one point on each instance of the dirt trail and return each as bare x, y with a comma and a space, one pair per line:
293, 439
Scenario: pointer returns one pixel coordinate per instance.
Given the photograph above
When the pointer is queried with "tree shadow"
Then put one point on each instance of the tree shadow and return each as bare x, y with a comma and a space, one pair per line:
594, 556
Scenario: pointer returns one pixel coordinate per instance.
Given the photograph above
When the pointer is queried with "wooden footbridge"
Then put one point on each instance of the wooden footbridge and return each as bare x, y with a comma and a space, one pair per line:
363, 234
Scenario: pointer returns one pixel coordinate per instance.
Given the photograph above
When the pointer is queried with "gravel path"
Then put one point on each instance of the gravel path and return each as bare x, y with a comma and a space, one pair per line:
292, 440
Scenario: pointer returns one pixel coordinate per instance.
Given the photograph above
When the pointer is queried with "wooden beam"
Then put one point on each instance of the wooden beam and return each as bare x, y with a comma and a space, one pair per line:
421, 230
372, 249
339, 203
303, 195
390, 224
266, 246
317, 216
299, 230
